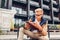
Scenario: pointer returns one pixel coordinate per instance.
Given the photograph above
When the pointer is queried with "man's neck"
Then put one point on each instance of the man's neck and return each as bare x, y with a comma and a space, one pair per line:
38, 20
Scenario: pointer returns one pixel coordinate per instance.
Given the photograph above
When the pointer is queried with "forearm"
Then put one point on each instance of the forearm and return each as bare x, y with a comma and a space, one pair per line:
39, 27
44, 33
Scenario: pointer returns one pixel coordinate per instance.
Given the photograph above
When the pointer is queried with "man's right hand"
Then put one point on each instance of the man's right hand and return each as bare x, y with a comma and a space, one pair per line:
31, 23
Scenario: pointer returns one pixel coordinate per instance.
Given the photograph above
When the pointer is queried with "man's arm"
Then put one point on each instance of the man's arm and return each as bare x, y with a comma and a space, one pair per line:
27, 25
36, 25
44, 32
42, 28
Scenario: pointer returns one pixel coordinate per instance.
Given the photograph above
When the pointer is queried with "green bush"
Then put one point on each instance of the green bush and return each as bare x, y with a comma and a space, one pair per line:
0, 31
54, 27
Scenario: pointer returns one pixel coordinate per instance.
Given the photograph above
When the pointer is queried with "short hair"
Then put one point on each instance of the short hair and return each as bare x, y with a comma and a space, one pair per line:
38, 9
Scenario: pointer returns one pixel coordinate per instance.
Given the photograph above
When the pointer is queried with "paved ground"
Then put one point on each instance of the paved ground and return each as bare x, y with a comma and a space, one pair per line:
15, 37
53, 36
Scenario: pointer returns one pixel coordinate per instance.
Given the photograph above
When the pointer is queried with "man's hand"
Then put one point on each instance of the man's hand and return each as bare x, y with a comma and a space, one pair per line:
34, 23
31, 23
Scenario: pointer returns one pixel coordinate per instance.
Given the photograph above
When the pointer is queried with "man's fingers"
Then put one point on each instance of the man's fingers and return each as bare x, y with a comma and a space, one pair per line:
31, 23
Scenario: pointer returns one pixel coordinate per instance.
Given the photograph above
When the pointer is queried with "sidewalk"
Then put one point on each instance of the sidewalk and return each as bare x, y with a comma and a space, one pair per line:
13, 36
8, 36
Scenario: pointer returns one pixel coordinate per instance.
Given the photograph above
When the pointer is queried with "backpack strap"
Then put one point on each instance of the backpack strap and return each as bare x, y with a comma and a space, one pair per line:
43, 21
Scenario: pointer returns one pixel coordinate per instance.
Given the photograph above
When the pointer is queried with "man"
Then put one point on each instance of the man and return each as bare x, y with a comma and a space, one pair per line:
36, 27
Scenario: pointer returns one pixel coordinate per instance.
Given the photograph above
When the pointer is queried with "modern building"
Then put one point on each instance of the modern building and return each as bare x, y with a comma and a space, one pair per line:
25, 8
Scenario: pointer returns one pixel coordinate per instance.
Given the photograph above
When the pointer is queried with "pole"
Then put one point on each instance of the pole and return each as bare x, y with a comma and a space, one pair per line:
52, 13
41, 3
28, 8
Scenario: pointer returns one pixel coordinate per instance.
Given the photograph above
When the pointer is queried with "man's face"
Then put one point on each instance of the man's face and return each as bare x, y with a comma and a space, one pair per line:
38, 14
